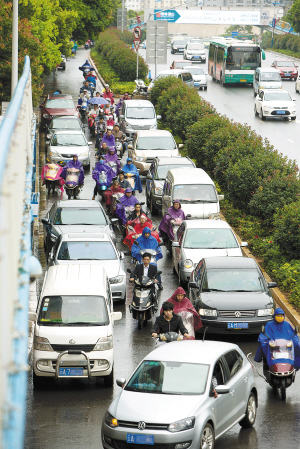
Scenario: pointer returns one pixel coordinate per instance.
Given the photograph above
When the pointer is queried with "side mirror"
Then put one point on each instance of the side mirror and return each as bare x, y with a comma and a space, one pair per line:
161, 244
244, 244
220, 197
188, 216
126, 253
116, 316
136, 243
193, 284
122, 256
31, 316
180, 145
294, 99
47, 142
114, 221
263, 329
158, 117
175, 245
149, 176
130, 147
222, 389
142, 203
121, 382
272, 284
90, 143
159, 272
44, 221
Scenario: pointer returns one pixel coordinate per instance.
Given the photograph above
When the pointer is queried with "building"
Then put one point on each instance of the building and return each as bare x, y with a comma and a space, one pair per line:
135, 5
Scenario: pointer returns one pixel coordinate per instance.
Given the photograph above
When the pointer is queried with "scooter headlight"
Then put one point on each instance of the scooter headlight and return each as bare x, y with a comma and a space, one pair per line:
289, 344
272, 344
142, 293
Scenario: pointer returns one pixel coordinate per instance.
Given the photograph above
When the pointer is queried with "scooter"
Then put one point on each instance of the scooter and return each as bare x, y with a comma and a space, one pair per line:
72, 185
144, 300
52, 177
119, 147
281, 373
102, 184
140, 89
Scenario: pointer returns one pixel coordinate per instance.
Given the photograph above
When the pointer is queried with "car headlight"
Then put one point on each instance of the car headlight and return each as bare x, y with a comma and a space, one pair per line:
110, 420
42, 344
104, 343
53, 238
261, 87
158, 190
116, 280
154, 126
208, 312
265, 312
183, 424
139, 158
128, 125
142, 293
188, 263
175, 48
46, 115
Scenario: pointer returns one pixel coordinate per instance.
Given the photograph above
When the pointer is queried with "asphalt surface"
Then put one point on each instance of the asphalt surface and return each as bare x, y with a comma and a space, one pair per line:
69, 414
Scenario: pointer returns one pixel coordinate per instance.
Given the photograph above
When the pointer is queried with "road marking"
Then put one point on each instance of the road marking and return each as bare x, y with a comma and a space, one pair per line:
289, 140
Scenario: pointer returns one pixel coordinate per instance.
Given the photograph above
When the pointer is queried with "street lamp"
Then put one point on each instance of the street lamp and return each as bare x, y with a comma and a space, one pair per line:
14, 56
274, 19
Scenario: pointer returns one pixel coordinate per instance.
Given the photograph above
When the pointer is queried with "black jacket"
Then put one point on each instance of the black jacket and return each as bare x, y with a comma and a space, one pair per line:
162, 326
139, 270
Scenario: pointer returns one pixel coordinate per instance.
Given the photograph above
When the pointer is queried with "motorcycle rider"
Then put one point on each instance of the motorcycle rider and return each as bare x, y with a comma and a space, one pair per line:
58, 177
114, 188
168, 322
99, 168
112, 156
172, 213
102, 151
100, 128
108, 94
145, 269
123, 182
74, 163
138, 225
125, 201
277, 329
90, 78
86, 66
119, 135
130, 168
85, 87
109, 138
83, 100
136, 213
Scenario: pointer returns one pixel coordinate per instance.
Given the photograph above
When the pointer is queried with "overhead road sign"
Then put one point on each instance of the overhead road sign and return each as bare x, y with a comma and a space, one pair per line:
210, 17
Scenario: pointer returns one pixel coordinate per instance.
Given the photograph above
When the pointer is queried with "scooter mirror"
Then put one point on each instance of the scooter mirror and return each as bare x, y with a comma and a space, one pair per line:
296, 330
142, 203
161, 244
136, 243
128, 270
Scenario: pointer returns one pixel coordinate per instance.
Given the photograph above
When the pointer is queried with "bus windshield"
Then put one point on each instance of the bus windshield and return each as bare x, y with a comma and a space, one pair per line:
243, 58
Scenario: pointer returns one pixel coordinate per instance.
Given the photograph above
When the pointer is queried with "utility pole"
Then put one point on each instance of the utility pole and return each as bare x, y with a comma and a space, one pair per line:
122, 14
14, 58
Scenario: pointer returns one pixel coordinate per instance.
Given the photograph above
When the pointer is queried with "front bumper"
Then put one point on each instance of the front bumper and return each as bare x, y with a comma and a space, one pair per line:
74, 361
118, 291
196, 58
198, 84
142, 166
219, 325
288, 76
282, 113
156, 200
63, 160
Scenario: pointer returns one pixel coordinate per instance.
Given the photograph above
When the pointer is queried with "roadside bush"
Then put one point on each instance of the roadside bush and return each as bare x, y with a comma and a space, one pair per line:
287, 44
287, 230
161, 86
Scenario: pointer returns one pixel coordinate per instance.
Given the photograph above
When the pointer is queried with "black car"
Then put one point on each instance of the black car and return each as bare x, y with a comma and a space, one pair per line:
231, 295
178, 46
77, 216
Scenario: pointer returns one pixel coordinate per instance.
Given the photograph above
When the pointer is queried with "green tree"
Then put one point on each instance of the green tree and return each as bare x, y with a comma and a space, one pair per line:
293, 16
247, 29
97, 15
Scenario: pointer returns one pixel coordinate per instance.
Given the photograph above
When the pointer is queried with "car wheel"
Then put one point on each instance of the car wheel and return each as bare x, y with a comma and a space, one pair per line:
255, 111
207, 440
173, 267
293, 118
153, 209
147, 197
205, 88
254, 93
123, 300
38, 381
181, 282
296, 88
251, 410
109, 380
261, 114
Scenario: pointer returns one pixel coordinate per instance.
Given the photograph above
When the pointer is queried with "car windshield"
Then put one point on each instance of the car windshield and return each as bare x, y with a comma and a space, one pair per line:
195, 70
278, 96
60, 103
66, 140
195, 193
179, 43
179, 65
243, 58
233, 280
140, 113
270, 77
167, 378
285, 64
79, 216
86, 251
156, 143
210, 239
65, 123
73, 311
195, 47
162, 170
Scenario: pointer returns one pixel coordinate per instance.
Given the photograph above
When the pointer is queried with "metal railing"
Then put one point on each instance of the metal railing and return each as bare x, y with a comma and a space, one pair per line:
17, 139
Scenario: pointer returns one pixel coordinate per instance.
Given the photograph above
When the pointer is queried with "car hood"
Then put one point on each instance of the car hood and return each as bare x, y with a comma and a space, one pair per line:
72, 149
78, 229
197, 254
236, 301
199, 78
61, 111
112, 267
153, 408
286, 69
157, 153
80, 334
201, 210
270, 85
279, 103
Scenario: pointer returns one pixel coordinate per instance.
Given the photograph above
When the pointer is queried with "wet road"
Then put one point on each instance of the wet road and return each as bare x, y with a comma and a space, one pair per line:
69, 414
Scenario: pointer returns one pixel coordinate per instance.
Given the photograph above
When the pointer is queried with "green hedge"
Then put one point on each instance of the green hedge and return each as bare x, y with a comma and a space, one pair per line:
288, 44
259, 183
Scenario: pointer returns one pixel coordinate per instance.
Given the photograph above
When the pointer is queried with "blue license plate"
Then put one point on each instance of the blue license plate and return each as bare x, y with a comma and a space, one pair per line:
65, 372
181, 49
237, 325
197, 57
140, 439
287, 74
280, 112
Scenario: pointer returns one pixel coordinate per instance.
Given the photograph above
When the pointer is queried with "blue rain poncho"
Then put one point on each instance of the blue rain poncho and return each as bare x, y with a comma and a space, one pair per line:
146, 243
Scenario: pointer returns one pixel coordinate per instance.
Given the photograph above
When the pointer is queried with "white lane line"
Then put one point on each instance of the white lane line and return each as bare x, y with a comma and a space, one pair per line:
289, 140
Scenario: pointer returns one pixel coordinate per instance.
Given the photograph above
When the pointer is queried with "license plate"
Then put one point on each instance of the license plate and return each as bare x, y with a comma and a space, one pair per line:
65, 372
243, 81
140, 439
237, 325
197, 57
287, 74
181, 49
280, 112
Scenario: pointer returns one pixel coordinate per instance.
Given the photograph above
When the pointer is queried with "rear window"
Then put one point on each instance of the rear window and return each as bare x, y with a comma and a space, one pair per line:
186, 77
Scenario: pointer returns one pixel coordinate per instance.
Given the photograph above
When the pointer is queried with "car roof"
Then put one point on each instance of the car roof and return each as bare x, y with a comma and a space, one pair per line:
66, 117
172, 72
230, 262
79, 204
137, 103
206, 224
84, 237
82, 279
62, 96
153, 132
285, 60
267, 69
70, 131
206, 352
190, 175
173, 160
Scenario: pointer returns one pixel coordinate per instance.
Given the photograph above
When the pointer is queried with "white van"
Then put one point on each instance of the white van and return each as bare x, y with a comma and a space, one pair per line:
266, 78
137, 114
194, 189
183, 74
73, 335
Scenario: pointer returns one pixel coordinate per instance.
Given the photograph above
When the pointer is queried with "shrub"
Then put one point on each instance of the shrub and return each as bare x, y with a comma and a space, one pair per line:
287, 230
162, 85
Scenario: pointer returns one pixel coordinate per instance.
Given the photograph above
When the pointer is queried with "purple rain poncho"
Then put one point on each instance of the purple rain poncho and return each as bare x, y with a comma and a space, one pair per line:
125, 202
110, 141
146, 243
165, 225
112, 158
99, 168
74, 164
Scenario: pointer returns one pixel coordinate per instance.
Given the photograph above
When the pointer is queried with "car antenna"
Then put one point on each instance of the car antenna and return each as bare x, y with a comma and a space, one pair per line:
205, 329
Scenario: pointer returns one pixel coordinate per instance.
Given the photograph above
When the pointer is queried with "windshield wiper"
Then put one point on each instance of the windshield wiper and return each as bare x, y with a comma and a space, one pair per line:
249, 291
212, 290
84, 323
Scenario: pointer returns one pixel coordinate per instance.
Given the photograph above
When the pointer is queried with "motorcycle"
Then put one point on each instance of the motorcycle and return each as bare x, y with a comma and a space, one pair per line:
72, 185
144, 300
52, 177
140, 88
119, 147
102, 184
280, 374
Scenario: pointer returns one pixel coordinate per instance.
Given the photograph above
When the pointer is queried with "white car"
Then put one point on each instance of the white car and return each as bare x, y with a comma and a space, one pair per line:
277, 103
199, 76
195, 52
62, 146
297, 84
202, 238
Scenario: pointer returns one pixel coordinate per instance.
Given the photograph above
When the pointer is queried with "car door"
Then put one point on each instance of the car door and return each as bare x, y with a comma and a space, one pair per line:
237, 382
47, 228
178, 250
197, 278
131, 151
259, 101
166, 199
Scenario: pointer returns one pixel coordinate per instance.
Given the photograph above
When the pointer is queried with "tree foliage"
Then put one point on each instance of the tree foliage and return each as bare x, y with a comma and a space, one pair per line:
293, 16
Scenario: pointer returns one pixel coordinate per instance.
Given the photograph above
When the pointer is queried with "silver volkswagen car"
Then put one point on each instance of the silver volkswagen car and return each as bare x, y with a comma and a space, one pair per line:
184, 394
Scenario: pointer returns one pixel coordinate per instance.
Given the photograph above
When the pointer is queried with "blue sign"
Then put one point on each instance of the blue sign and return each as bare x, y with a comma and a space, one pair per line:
234, 33
170, 16
273, 23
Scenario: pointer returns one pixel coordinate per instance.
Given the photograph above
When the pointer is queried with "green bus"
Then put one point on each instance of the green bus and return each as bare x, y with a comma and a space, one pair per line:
233, 61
